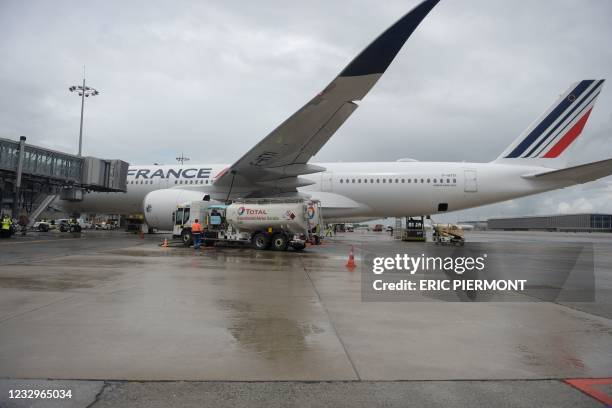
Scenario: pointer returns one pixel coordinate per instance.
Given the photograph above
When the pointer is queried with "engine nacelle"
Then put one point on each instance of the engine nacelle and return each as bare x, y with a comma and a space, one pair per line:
159, 205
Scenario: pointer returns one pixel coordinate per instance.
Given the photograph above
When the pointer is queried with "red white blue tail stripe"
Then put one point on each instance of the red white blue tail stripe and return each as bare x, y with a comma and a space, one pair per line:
560, 125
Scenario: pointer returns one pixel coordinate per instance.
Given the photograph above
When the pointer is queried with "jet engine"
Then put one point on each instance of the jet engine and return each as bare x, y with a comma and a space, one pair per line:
159, 205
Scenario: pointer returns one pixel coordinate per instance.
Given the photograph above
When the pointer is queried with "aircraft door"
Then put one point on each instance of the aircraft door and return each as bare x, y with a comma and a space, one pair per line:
327, 181
470, 181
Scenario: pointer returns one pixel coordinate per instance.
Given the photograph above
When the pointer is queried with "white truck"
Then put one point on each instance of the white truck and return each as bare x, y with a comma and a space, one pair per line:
264, 223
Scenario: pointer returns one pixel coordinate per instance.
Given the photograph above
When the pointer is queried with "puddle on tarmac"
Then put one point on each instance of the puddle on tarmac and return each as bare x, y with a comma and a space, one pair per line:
266, 331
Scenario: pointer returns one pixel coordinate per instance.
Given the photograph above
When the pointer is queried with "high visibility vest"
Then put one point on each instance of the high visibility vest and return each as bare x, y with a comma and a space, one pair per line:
196, 227
6, 223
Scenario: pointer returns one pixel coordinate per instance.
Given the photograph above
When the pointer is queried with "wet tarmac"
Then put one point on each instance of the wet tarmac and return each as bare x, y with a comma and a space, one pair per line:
109, 307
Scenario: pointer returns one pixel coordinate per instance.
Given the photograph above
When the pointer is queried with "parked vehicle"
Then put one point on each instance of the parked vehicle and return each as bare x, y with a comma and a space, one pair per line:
84, 224
65, 225
448, 234
276, 224
42, 226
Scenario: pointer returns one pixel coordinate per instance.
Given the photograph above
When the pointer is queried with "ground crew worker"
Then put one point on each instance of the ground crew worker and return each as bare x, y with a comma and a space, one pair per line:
328, 231
196, 232
73, 225
6, 227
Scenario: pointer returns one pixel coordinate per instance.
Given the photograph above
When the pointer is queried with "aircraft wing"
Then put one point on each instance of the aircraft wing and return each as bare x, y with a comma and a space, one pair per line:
272, 166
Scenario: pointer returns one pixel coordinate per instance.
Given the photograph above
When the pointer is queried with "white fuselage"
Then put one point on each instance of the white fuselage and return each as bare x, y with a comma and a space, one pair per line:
350, 191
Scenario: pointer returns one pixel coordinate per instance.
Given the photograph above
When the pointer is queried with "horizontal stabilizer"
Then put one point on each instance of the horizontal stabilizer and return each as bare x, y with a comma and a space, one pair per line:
578, 174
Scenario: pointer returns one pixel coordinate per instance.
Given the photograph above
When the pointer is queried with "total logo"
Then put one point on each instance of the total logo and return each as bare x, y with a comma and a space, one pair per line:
250, 211
311, 212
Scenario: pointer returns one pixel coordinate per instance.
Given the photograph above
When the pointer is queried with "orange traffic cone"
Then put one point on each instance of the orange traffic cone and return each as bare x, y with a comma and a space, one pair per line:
351, 259
165, 244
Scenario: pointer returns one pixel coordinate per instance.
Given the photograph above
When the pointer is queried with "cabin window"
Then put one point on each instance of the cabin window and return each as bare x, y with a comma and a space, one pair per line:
454, 180
435, 181
179, 217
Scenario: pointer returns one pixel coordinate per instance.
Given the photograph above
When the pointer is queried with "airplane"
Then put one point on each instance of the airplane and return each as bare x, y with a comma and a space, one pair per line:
279, 165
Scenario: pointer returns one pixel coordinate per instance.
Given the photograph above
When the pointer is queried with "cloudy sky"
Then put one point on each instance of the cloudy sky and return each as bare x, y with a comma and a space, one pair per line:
210, 79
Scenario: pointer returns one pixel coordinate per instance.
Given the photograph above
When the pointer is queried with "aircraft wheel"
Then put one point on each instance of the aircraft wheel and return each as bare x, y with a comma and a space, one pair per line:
279, 242
261, 241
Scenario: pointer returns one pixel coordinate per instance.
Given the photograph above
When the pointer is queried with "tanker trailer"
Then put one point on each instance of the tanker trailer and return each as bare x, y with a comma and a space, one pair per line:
276, 224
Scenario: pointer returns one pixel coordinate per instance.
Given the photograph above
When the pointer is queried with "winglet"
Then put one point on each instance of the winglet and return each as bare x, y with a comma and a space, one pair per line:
377, 56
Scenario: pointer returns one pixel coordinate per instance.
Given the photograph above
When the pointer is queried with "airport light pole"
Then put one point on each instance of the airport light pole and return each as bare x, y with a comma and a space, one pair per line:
84, 92
182, 159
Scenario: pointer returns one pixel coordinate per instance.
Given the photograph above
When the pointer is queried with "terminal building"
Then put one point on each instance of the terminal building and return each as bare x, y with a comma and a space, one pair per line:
566, 223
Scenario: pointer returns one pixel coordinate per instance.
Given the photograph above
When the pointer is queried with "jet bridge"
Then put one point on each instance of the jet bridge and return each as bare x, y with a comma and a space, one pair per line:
30, 174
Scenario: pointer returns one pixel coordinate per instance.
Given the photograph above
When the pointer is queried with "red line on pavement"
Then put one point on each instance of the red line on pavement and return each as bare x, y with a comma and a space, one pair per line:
586, 385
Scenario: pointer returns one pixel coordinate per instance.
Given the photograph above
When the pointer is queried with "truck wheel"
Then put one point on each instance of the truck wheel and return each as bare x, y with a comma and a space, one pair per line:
279, 242
261, 241
209, 242
186, 238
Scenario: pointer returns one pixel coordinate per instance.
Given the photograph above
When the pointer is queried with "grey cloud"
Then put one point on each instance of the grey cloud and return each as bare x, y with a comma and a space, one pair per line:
212, 78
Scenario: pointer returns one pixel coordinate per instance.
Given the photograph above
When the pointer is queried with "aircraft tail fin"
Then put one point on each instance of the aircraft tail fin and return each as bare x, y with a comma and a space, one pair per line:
545, 140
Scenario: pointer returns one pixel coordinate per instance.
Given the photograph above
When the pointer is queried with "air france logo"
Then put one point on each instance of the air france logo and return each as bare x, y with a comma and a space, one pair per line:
241, 210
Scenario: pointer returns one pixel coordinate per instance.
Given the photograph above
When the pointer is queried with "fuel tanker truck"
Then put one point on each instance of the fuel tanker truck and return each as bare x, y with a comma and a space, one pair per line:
277, 224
